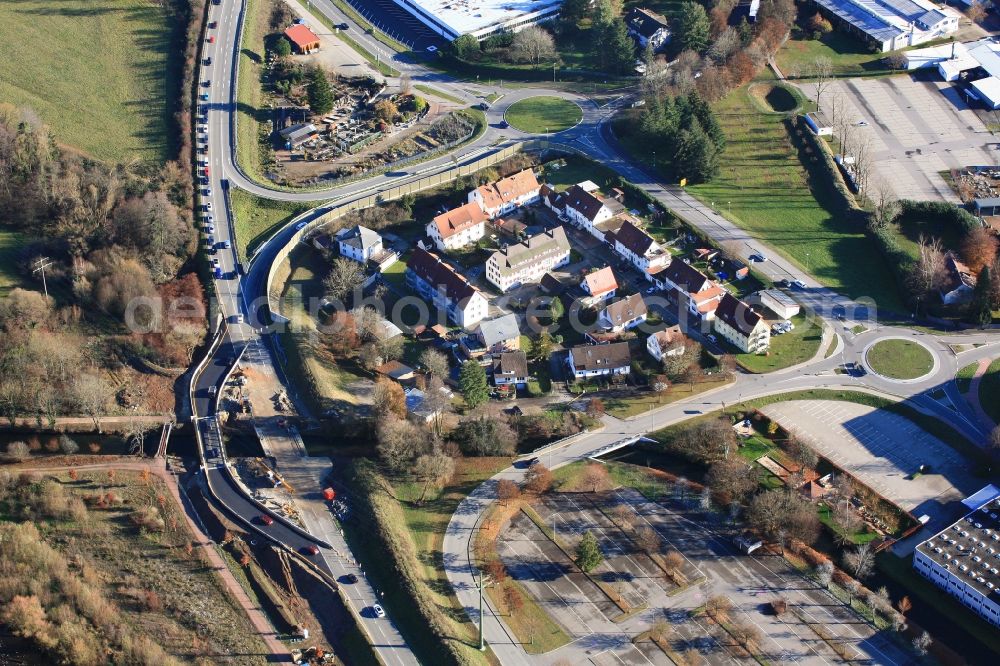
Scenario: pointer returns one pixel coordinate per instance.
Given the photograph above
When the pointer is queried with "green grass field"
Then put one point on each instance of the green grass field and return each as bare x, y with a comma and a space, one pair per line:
989, 385
251, 115
848, 56
899, 359
256, 219
97, 72
963, 378
764, 187
788, 349
440, 94
10, 243
543, 114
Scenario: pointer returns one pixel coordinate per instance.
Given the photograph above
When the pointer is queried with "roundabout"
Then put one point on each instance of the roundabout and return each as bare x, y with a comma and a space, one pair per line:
543, 114
899, 359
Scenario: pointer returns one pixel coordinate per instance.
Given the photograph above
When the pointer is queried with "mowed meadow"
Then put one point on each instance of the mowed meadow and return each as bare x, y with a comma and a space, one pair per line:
97, 72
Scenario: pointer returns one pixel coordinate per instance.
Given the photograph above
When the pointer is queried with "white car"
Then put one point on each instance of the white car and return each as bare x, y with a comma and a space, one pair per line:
799, 284
378, 610
208, 205
300, 225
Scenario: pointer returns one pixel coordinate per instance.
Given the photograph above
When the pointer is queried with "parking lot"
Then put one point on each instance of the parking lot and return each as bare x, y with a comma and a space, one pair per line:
600, 635
918, 127
882, 450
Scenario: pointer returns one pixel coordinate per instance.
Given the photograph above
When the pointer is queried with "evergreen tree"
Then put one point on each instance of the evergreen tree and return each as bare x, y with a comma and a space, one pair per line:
465, 47
980, 311
283, 48
472, 380
696, 157
573, 11
692, 27
588, 553
616, 47
744, 31
320, 92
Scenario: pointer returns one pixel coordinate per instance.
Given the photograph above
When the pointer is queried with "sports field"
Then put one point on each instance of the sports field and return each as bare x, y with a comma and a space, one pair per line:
98, 72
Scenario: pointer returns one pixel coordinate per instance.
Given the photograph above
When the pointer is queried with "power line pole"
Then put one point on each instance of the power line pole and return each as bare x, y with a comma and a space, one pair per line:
482, 620
40, 265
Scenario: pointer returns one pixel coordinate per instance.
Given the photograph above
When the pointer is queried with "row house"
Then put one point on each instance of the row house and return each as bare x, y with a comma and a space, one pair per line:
440, 285
639, 248
506, 194
690, 285
458, 227
528, 260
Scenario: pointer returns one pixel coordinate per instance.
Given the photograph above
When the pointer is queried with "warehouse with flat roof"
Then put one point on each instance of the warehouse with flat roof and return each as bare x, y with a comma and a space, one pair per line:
891, 24
479, 18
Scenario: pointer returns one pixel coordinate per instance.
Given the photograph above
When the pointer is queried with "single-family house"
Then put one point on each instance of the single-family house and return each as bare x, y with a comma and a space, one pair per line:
776, 301
668, 342
600, 360
743, 328
647, 27
359, 243
457, 227
584, 209
302, 38
639, 248
959, 283
510, 369
623, 314
439, 284
506, 194
500, 334
528, 260
416, 407
598, 286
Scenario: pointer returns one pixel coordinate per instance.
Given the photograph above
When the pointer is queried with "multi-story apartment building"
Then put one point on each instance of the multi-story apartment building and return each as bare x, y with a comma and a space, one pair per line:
741, 326
506, 194
528, 260
437, 282
457, 227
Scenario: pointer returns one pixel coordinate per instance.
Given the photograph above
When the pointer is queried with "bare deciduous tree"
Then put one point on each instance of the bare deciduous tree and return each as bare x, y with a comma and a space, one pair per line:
532, 44
860, 561
885, 205
821, 71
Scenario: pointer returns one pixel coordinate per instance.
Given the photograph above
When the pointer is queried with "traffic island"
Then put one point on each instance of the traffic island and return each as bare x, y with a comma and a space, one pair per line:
900, 359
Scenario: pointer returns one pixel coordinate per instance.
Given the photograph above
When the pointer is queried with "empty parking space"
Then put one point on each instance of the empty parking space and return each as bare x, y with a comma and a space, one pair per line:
914, 128
881, 449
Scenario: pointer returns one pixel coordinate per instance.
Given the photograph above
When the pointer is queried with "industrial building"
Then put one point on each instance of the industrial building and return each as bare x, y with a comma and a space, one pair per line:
974, 66
479, 18
891, 24
964, 559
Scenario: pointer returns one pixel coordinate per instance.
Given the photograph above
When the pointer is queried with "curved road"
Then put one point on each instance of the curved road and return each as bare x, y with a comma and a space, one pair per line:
216, 137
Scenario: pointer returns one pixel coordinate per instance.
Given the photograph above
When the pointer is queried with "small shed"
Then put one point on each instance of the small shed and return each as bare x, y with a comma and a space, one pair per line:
302, 38
987, 207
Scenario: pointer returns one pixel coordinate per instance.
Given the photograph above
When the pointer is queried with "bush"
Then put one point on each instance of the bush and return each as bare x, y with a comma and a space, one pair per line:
18, 452
67, 445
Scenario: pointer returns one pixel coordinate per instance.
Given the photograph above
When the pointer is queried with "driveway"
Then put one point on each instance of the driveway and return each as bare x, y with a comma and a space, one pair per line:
917, 129
882, 450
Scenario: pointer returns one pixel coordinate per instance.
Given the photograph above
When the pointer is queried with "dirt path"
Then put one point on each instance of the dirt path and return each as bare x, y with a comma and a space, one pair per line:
279, 652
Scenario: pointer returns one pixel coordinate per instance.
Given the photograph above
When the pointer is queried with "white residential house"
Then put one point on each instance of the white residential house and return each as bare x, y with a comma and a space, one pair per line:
600, 360
457, 227
776, 301
440, 285
640, 249
647, 27
598, 286
585, 210
665, 343
417, 410
510, 369
365, 246
500, 335
528, 260
741, 326
623, 314
506, 194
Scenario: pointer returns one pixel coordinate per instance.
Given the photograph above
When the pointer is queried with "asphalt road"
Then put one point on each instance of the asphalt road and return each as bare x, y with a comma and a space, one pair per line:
217, 135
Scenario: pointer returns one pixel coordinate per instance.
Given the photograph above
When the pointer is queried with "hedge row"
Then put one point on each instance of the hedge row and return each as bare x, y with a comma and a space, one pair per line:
798, 129
399, 573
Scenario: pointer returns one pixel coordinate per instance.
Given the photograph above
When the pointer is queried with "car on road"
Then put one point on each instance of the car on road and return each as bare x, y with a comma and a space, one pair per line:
784, 284
651, 290
266, 519
203, 97
207, 61
378, 610
215, 262
503, 124
342, 26
213, 25
208, 205
210, 229
311, 549
799, 284
211, 39
226, 245
711, 337
300, 225
207, 83
211, 244
757, 258
351, 578
207, 191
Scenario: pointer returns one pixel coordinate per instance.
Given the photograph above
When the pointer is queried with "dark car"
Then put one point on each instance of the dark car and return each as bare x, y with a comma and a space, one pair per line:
342, 26
311, 549
351, 578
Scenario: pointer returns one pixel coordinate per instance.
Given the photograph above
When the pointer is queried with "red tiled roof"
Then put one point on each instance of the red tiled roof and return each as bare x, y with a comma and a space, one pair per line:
302, 36
601, 282
459, 219
508, 189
